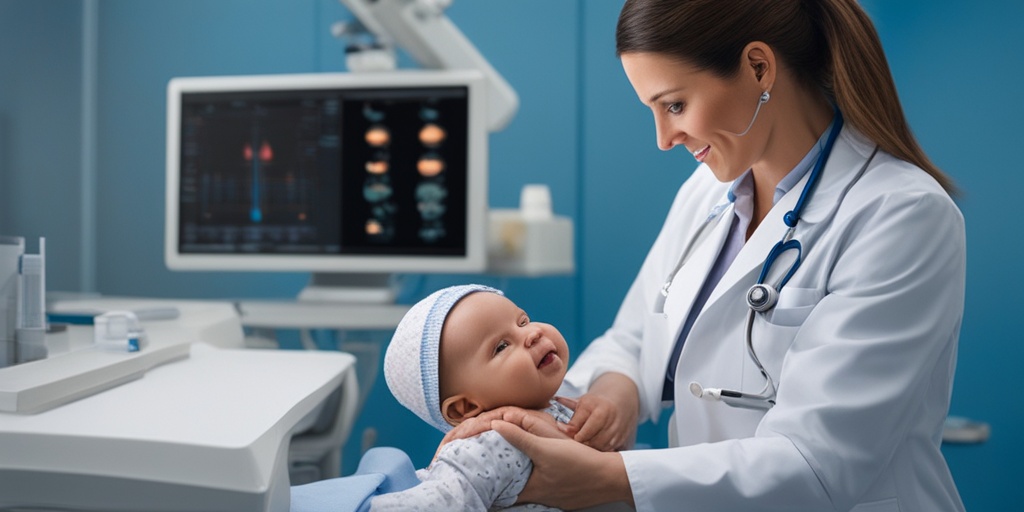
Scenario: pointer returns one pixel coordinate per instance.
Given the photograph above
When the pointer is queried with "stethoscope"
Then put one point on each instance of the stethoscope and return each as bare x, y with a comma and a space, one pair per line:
762, 296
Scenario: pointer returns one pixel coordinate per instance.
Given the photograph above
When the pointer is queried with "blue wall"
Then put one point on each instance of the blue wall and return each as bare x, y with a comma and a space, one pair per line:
40, 127
580, 129
958, 71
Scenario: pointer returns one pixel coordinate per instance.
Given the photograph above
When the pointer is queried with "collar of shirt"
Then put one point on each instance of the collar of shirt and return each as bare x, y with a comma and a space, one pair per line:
742, 191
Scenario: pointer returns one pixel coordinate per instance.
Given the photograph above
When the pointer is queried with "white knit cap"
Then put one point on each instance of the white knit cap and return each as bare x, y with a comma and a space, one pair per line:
410, 363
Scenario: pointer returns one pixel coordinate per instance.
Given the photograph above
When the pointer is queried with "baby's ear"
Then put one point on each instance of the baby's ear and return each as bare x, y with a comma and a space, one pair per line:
459, 408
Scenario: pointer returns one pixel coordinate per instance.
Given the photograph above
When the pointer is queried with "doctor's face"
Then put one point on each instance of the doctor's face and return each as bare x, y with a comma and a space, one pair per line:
494, 355
699, 111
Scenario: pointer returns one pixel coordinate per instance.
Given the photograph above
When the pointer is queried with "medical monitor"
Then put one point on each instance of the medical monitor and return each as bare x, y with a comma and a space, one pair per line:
334, 174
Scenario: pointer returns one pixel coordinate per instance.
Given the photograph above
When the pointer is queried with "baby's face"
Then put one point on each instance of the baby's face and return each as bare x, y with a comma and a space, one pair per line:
494, 354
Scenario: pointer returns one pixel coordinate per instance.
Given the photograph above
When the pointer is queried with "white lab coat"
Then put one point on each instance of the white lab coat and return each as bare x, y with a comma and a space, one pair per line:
862, 346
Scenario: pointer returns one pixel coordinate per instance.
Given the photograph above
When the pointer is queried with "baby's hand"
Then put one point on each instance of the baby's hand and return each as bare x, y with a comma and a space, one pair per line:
599, 422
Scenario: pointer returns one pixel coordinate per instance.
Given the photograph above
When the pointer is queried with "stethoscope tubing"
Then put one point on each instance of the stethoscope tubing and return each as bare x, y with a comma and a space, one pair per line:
765, 399
761, 298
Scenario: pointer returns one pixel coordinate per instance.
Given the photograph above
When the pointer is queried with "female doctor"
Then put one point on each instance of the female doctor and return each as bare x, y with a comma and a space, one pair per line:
801, 306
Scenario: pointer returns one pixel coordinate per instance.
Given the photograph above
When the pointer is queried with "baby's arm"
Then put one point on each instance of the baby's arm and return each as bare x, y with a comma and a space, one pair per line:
469, 474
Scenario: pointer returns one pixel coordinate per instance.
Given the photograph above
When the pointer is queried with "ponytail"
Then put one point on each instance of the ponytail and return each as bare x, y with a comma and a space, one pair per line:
862, 85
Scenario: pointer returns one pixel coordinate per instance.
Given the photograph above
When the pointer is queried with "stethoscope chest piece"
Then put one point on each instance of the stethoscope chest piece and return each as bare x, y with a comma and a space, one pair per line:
762, 297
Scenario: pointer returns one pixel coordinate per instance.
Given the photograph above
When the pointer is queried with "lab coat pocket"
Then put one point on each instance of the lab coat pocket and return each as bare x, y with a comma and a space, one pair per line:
794, 305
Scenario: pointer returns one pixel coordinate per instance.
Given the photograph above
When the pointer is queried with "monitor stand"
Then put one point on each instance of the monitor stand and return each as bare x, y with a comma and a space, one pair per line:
351, 288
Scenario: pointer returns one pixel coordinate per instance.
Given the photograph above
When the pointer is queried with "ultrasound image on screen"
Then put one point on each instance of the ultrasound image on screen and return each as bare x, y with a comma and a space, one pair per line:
333, 172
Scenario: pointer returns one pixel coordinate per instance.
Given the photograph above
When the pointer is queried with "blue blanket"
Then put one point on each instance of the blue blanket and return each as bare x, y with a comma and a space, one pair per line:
381, 470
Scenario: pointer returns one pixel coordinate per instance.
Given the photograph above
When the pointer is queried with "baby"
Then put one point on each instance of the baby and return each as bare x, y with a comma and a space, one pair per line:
460, 352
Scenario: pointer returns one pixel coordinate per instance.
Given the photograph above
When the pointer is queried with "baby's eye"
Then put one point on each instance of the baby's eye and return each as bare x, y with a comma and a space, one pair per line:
675, 108
525, 320
502, 345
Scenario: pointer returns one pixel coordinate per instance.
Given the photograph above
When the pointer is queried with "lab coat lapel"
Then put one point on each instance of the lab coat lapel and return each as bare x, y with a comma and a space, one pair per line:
847, 156
691, 276
752, 255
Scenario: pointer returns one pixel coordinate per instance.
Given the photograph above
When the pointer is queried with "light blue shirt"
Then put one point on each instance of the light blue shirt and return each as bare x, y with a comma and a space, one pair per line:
741, 194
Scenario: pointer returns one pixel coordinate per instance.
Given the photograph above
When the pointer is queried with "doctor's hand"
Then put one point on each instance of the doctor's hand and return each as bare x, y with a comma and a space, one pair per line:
535, 421
566, 474
605, 417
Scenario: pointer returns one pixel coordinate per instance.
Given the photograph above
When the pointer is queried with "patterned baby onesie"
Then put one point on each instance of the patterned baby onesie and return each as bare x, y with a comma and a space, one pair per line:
477, 474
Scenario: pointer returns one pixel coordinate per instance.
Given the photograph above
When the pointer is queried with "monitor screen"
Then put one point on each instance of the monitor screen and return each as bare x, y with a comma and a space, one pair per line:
330, 173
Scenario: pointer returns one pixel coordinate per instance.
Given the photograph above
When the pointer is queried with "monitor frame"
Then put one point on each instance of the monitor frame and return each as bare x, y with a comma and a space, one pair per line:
474, 260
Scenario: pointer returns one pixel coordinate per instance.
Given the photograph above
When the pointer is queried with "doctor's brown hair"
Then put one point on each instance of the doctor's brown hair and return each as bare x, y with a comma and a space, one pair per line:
831, 45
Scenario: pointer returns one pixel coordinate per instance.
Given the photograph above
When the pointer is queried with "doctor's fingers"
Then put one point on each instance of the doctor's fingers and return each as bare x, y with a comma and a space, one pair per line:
469, 428
535, 422
466, 429
478, 424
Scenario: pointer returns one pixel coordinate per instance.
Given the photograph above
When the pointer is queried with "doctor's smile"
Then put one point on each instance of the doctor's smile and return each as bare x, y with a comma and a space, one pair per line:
702, 153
